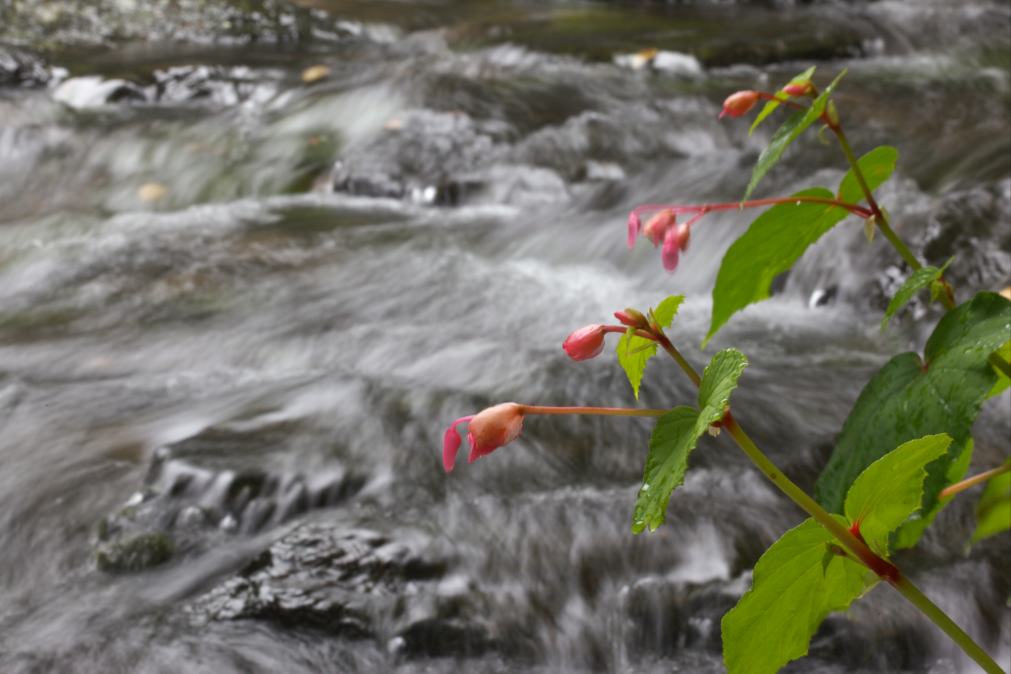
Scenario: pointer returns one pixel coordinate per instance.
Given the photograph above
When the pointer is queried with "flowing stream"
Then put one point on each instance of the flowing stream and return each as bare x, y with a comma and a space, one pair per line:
240, 301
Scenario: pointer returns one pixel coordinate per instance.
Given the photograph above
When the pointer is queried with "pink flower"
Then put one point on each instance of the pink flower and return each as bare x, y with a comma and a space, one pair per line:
633, 228
739, 103
798, 89
657, 226
632, 318
486, 432
670, 252
585, 343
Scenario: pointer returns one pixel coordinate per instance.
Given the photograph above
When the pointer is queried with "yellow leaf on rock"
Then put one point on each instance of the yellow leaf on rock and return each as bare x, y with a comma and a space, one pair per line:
315, 73
152, 192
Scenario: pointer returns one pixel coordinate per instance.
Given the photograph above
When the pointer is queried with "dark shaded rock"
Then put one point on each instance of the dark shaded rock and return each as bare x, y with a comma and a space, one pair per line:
427, 157
18, 68
134, 553
199, 490
973, 226
58, 23
357, 583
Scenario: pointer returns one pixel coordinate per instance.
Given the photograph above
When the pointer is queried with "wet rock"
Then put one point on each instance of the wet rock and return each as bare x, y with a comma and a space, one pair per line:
214, 84
973, 226
18, 68
134, 553
196, 491
95, 92
427, 157
59, 23
358, 583
667, 617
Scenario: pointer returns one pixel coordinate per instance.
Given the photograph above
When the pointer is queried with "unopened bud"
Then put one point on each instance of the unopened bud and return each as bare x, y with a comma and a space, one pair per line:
632, 318
657, 226
739, 103
797, 88
870, 224
585, 343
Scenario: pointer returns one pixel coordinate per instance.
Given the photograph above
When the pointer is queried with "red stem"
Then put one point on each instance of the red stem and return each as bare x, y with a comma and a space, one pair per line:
702, 209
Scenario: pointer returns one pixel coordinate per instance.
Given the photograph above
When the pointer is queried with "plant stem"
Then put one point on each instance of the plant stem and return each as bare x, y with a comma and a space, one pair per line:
882, 567
880, 217
856, 209
974, 480
941, 619
602, 411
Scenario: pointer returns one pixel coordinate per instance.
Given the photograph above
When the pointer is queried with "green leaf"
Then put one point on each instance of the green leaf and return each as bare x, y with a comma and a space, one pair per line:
795, 125
672, 441
910, 398
876, 166
718, 381
795, 587
771, 106
667, 309
891, 489
993, 513
773, 243
633, 354
919, 279
1000, 360
676, 435
909, 533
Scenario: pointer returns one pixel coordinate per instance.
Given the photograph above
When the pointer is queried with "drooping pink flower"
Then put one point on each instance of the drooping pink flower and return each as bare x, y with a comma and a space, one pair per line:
585, 343
670, 252
657, 226
684, 235
739, 103
487, 431
634, 224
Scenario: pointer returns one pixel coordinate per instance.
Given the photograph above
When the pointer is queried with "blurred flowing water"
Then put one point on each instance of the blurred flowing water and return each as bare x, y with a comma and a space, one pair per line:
238, 309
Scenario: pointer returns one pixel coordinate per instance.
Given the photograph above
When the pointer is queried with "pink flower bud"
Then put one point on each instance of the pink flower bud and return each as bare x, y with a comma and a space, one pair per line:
487, 431
585, 343
684, 235
797, 89
634, 224
632, 318
670, 252
739, 103
494, 427
658, 225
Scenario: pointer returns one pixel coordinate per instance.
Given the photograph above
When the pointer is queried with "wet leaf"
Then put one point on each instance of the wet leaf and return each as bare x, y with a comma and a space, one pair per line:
718, 382
633, 354
993, 513
919, 279
1001, 362
673, 439
795, 586
910, 398
771, 106
791, 130
773, 243
667, 310
676, 435
876, 166
634, 351
889, 490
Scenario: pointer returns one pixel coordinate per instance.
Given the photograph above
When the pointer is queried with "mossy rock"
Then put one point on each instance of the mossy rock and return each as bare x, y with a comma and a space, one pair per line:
134, 554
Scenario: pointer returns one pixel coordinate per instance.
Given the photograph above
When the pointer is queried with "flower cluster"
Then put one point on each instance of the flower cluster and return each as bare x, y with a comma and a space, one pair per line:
664, 228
